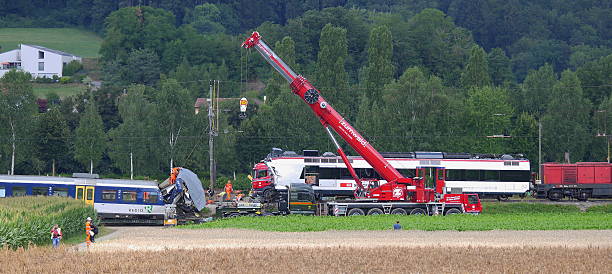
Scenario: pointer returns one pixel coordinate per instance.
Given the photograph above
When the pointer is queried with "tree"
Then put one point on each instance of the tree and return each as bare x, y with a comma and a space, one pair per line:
332, 78
536, 90
595, 78
53, 140
17, 108
435, 43
566, 122
476, 72
488, 113
134, 28
379, 70
90, 142
131, 145
174, 115
142, 67
524, 136
500, 67
205, 18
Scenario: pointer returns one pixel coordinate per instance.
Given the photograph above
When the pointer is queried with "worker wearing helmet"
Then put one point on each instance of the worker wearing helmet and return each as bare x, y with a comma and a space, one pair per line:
228, 190
88, 231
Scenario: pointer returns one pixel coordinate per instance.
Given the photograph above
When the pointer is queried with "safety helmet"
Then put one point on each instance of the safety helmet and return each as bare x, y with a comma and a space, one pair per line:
89, 218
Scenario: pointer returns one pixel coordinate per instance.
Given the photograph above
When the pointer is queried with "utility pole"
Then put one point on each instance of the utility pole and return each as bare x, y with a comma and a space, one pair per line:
211, 135
540, 149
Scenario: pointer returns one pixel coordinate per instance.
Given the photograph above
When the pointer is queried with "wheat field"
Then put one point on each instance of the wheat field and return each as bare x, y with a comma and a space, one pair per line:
312, 260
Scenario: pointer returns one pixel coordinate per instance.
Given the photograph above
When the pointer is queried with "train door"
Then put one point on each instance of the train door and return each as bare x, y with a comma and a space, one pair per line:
85, 194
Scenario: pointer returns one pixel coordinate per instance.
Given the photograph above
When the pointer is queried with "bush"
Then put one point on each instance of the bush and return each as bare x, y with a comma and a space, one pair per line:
43, 80
28, 220
64, 80
526, 208
72, 68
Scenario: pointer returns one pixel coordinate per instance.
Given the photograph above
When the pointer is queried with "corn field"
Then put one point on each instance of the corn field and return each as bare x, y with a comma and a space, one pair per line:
313, 260
27, 221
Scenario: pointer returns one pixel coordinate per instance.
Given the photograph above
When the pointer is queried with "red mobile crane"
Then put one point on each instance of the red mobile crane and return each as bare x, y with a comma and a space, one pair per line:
398, 188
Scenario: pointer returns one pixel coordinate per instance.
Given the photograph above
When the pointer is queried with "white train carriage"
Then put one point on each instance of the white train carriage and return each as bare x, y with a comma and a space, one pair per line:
115, 201
487, 175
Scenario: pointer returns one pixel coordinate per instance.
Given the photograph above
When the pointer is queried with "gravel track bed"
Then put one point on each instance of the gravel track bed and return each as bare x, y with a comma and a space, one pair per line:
157, 238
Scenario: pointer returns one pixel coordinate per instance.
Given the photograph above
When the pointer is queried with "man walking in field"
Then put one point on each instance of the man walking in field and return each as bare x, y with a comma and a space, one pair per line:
56, 235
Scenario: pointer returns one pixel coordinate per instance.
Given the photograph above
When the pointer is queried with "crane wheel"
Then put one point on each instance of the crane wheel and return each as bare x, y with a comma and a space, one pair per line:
375, 211
452, 211
399, 211
356, 212
417, 211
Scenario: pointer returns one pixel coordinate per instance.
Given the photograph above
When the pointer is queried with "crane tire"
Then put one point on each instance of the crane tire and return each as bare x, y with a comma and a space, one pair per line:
399, 211
375, 211
418, 211
355, 212
452, 211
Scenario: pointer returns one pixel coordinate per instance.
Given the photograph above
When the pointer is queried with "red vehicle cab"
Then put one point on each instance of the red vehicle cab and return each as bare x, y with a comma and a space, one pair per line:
471, 202
262, 177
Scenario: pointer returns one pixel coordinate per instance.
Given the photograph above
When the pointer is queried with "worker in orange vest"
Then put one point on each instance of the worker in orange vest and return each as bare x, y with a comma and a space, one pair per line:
174, 174
228, 190
88, 231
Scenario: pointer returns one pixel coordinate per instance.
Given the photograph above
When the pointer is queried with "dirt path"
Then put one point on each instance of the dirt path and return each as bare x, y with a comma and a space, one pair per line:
154, 238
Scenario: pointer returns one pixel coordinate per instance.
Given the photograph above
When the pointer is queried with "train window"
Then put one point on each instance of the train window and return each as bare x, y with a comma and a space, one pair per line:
454, 174
329, 173
2, 192
407, 172
150, 196
42, 191
472, 175
89, 194
130, 196
490, 175
19, 191
515, 175
109, 195
60, 191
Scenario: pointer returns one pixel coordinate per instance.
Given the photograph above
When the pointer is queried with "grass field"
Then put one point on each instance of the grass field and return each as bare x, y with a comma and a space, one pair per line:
314, 260
498, 216
78, 42
62, 90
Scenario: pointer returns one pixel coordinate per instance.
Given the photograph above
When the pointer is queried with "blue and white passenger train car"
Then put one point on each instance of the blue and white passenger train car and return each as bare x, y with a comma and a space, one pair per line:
116, 201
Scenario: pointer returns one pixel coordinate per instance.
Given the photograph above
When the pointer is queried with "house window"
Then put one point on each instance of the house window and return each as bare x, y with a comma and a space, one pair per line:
41, 55
41, 66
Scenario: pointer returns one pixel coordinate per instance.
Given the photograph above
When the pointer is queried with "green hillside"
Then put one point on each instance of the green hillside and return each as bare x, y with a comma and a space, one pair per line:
78, 42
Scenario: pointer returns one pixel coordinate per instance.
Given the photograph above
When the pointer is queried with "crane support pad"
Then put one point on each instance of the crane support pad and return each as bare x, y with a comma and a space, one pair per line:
194, 188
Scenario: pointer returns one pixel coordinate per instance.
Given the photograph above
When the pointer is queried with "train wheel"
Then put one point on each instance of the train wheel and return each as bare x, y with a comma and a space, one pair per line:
555, 195
399, 211
583, 196
417, 211
375, 211
268, 195
356, 212
234, 215
453, 211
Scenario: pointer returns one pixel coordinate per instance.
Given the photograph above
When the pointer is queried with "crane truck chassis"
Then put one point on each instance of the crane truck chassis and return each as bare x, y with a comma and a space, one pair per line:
299, 198
399, 195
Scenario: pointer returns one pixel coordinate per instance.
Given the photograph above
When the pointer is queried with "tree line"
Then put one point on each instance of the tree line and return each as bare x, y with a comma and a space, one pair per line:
408, 76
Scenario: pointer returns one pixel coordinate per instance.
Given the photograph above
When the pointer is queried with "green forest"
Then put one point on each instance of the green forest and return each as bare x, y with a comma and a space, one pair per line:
410, 75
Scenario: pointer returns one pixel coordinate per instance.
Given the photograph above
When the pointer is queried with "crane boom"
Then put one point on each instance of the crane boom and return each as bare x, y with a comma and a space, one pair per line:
327, 114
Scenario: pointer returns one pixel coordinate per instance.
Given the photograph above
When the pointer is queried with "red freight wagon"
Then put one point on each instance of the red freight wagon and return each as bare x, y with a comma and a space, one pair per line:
580, 180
